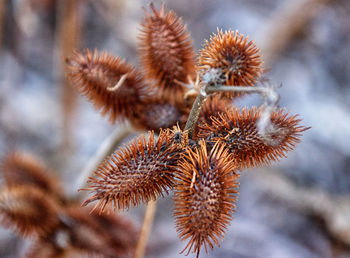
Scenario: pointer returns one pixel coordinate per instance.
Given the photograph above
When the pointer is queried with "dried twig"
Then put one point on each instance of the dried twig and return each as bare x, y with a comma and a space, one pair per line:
68, 35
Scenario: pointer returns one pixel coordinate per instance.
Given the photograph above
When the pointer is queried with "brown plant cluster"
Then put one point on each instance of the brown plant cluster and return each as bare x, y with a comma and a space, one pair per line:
33, 204
201, 168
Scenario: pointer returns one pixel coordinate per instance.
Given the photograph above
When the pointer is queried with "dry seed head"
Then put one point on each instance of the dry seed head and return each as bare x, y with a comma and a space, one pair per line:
24, 169
179, 138
205, 195
28, 210
166, 51
86, 235
45, 249
154, 116
108, 82
139, 172
238, 130
231, 59
99, 235
118, 232
213, 106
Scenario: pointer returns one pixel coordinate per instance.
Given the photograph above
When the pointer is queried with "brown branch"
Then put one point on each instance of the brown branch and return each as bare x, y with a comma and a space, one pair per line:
68, 34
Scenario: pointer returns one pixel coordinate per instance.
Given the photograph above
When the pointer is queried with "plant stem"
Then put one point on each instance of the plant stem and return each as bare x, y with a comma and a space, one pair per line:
193, 117
106, 148
146, 228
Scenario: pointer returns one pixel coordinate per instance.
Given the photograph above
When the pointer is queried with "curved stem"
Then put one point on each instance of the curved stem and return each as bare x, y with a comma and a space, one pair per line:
106, 148
193, 117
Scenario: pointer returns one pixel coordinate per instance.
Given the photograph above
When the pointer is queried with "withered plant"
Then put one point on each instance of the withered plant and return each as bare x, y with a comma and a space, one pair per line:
33, 204
195, 152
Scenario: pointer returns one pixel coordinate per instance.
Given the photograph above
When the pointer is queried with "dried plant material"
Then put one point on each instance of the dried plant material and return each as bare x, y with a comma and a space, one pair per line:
47, 250
166, 51
238, 130
157, 115
139, 172
229, 58
96, 77
212, 107
105, 235
179, 138
205, 195
118, 232
23, 169
86, 235
27, 210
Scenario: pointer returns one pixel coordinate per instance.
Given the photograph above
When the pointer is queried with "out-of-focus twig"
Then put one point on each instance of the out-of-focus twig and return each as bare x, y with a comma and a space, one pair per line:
333, 210
68, 34
106, 148
287, 21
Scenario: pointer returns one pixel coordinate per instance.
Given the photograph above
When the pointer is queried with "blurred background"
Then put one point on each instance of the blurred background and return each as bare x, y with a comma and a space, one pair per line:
299, 207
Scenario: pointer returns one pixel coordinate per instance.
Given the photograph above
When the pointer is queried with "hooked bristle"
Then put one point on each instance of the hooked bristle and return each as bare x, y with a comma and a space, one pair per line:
139, 172
204, 196
28, 210
166, 51
239, 131
229, 58
108, 82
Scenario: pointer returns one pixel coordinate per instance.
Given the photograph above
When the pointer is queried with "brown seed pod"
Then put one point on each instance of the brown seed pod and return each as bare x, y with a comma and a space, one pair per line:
179, 138
24, 169
28, 210
166, 51
229, 58
43, 248
157, 115
86, 235
238, 130
107, 235
108, 82
139, 172
118, 232
212, 107
205, 195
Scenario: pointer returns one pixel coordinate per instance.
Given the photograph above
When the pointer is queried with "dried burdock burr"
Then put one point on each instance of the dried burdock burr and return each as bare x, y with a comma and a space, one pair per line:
24, 169
108, 235
238, 130
166, 51
205, 195
159, 114
137, 173
28, 210
229, 58
108, 82
86, 235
